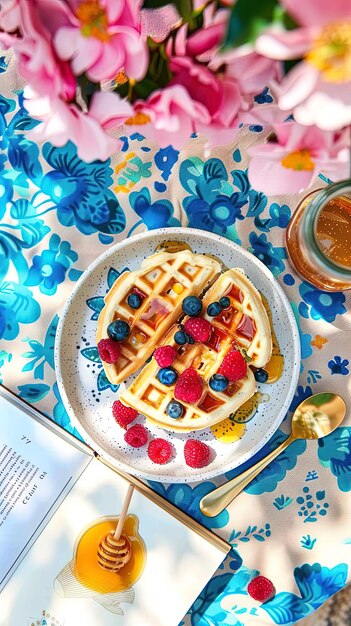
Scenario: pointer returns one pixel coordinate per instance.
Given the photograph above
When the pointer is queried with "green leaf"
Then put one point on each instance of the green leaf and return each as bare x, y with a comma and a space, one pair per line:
249, 18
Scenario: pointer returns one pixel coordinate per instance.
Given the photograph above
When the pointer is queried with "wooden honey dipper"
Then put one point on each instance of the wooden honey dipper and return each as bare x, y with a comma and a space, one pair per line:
115, 549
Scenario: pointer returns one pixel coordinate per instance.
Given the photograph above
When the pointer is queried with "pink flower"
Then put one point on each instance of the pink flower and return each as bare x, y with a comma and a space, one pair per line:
289, 163
220, 97
103, 37
168, 116
37, 60
158, 23
319, 88
63, 122
252, 71
10, 15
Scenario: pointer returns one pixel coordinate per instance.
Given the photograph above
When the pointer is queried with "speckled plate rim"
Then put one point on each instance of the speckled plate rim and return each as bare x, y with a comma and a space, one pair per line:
204, 236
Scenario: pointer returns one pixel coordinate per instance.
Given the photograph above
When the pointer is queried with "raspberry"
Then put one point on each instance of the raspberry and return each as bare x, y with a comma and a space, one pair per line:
165, 355
198, 328
196, 453
261, 589
159, 451
188, 387
123, 415
136, 436
109, 350
234, 365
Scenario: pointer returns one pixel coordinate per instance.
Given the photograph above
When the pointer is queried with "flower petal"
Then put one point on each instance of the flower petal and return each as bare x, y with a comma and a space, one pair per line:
109, 109
285, 44
268, 175
297, 85
317, 12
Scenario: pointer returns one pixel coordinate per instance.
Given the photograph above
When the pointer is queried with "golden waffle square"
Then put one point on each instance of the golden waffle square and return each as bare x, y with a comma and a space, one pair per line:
244, 325
162, 282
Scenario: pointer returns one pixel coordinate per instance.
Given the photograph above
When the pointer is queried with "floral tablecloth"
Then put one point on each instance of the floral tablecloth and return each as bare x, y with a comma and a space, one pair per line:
292, 523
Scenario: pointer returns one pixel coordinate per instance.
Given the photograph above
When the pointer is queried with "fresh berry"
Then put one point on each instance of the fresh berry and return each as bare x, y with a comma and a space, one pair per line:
261, 375
190, 339
196, 453
198, 328
233, 366
109, 350
159, 451
118, 330
218, 382
167, 376
180, 337
214, 309
192, 306
261, 589
174, 409
123, 415
224, 302
134, 300
136, 436
165, 355
188, 386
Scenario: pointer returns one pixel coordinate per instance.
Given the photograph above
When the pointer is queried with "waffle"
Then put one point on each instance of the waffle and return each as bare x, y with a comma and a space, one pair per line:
246, 319
244, 324
163, 281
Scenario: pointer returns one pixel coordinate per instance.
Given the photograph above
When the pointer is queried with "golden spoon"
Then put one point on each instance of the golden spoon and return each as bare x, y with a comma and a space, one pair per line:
315, 417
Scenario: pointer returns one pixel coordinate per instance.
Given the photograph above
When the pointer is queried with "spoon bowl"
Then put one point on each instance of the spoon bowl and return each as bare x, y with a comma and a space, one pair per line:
315, 417
318, 416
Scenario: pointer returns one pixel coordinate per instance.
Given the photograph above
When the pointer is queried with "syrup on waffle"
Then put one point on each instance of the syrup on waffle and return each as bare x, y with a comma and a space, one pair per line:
162, 283
243, 324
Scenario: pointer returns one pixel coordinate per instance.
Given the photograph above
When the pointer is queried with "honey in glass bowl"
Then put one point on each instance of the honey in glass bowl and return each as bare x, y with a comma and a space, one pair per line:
318, 237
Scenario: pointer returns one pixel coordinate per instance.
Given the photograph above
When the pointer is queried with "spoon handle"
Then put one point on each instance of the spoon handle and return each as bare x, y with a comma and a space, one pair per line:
214, 502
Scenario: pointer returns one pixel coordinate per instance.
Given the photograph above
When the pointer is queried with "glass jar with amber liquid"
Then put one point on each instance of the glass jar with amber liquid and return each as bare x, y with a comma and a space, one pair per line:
318, 237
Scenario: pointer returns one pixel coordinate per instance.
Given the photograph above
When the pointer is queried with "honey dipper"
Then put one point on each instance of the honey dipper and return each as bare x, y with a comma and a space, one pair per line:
115, 549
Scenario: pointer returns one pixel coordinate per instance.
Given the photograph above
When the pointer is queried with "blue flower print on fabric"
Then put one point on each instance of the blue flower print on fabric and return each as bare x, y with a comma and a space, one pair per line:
3, 65
339, 366
213, 204
22, 154
50, 267
264, 97
165, 158
320, 304
312, 505
264, 250
157, 214
316, 584
40, 354
275, 472
305, 338
301, 394
187, 499
61, 416
334, 452
17, 306
5, 357
81, 192
207, 601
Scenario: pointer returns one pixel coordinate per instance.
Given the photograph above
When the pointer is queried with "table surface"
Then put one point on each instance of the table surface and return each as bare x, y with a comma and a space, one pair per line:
292, 523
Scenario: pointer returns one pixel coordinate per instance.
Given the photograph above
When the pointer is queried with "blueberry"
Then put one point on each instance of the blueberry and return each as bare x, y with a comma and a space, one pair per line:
261, 376
218, 382
214, 309
118, 330
192, 306
167, 376
189, 338
174, 409
180, 337
224, 302
134, 300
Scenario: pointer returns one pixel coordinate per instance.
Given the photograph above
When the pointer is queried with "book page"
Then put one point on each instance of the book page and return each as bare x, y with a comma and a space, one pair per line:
37, 469
61, 575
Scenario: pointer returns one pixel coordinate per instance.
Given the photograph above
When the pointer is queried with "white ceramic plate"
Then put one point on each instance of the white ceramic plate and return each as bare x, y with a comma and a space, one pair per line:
78, 369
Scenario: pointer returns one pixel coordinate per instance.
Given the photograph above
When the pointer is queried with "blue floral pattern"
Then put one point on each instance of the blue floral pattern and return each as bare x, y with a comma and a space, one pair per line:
58, 214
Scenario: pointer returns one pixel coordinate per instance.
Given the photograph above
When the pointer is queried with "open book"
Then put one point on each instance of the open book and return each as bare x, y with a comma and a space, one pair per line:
57, 498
